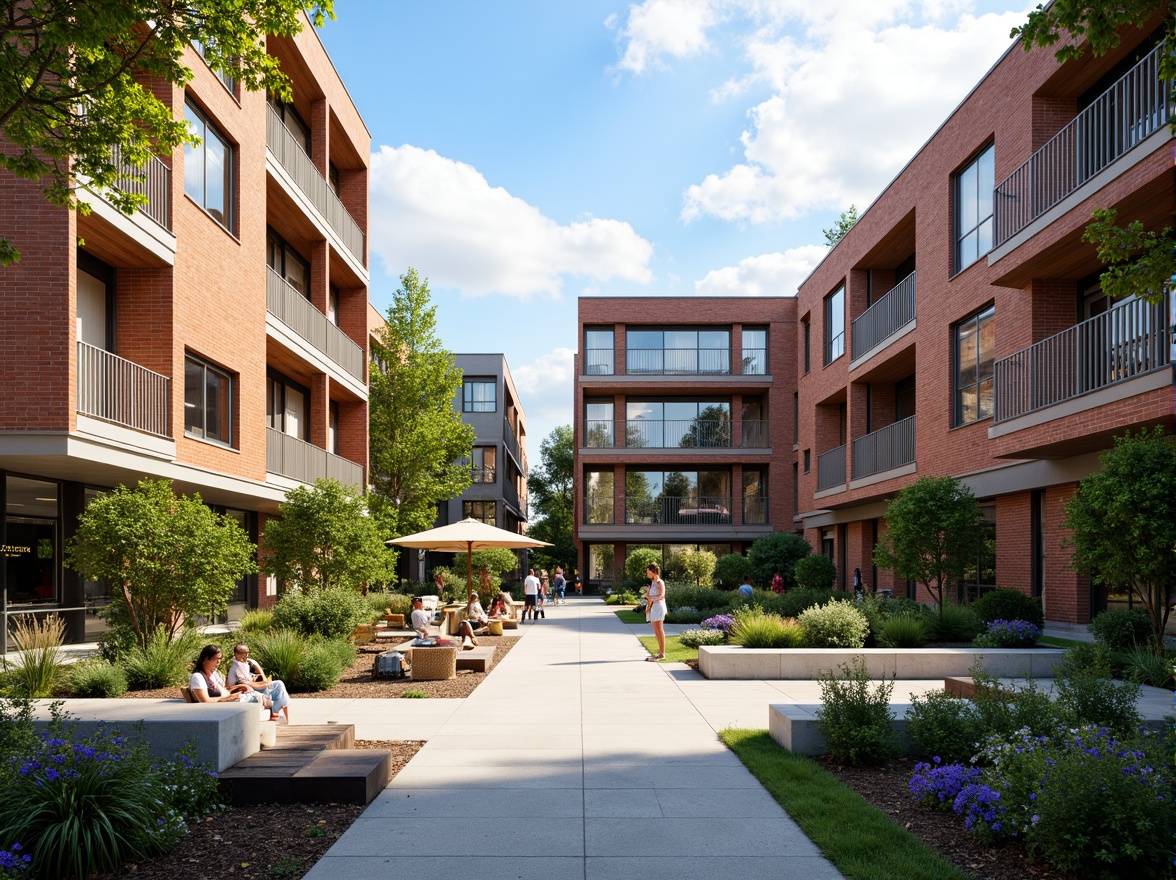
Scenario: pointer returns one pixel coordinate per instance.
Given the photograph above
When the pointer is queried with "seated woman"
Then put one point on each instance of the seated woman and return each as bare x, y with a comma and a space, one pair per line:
249, 673
208, 685
499, 610
476, 619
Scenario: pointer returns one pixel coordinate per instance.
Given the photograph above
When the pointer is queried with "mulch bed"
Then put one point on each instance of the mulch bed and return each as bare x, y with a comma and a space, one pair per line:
357, 682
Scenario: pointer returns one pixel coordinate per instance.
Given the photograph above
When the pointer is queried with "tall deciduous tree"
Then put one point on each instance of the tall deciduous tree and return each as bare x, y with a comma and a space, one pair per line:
167, 558
420, 448
844, 223
550, 489
1123, 522
326, 538
74, 75
934, 530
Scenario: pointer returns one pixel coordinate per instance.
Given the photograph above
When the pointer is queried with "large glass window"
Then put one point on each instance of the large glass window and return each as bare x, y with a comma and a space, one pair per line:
598, 496
598, 352
975, 345
980, 576
678, 423
677, 497
835, 325
755, 352
678, 351
482, 464
598, 424
287, 406
31, 541
973, 210
287, 263
292, 121
755, 497
208, 168
479, 395
482, 511
208, 395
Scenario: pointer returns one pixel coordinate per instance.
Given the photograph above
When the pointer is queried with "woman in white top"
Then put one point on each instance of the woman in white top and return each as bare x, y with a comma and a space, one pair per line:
208, 685
655, 610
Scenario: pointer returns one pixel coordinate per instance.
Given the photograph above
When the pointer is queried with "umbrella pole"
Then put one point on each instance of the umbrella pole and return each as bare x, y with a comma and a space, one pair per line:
469, 572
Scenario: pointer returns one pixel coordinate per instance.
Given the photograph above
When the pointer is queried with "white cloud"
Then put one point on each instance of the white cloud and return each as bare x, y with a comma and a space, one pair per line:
546, 388
766, 275
445, 219
657, 28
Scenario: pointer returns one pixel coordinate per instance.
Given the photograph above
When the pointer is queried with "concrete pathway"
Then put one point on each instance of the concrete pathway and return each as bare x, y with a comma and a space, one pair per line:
574, 759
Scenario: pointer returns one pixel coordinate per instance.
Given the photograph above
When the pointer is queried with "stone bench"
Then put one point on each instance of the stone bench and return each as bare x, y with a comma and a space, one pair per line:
477, 659
794, 727
773, 664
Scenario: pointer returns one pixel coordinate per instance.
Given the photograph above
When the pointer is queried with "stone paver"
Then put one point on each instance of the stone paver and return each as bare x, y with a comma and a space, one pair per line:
574, 759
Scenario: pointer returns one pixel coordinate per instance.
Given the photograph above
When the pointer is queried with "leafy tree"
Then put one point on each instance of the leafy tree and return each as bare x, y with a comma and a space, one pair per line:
1139, 261
639, 560
420, 448
698, 565
1123, 521
777, 553
711, 428
550, 489
844, 223
75, 74
816, 572
325, 539
934, 529
730, 569
498, 561
167, 558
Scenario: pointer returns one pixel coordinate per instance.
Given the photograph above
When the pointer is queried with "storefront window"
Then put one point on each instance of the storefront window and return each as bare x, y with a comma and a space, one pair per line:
31, 547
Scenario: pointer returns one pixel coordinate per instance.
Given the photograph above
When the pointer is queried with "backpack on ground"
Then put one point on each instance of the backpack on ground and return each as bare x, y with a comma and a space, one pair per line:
390, 664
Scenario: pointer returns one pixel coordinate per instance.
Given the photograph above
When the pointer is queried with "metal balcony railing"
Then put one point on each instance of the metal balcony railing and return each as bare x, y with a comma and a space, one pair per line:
116, 390
482, 474
288, 305
678, 361
884, 449
831, 469
512, 444
885, 317
290, 155
755, 361
1131, 339
598, 433
152, 180
598, 508
834, 348
685, 510
678, 433
598, 362
302, 461
1135, 107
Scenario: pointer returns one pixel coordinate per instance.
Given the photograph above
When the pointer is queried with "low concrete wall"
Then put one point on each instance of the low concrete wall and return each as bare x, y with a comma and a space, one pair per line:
795, 728
224, 733
770, 664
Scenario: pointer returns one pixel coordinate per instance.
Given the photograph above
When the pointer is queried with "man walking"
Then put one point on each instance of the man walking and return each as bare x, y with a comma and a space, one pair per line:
560, 585
530, 594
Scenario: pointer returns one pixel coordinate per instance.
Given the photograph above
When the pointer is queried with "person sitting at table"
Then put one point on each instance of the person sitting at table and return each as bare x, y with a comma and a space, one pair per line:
499, 610
249, 672
209, 686
420, 617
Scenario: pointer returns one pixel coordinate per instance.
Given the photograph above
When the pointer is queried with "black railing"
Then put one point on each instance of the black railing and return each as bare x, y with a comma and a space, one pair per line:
152, 180
831, 469
598, 362
678, 361
685, 510
755, 361
885, 317
598, 433
884, 449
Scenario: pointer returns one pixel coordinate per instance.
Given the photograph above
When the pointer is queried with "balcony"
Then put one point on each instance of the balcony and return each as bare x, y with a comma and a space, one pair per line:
115, 390
289, 306
1131, 339
831, 469
294, 161
885, 449
598, 362
678, 361
1135, 107
482, 475
513, 446
152, 180
290, 457
884, 318
685, 510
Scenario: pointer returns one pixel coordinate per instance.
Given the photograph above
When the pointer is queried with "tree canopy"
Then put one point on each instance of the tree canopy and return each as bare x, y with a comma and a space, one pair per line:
75, 82
325, 538
844, 223
776, 554
1123, 521
934, 530
167, 558
419, 447
551, 503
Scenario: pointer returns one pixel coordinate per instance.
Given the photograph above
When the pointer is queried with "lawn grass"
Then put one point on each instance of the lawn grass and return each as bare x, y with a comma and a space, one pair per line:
860, 840
628, 615
676, 652
1055, 642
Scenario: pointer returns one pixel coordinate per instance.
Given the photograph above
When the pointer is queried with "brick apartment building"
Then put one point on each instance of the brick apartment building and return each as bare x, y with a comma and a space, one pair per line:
216, 338
684, 426
958, 329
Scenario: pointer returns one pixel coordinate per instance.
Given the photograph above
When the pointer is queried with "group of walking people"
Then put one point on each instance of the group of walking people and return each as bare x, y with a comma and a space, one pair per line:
538, 588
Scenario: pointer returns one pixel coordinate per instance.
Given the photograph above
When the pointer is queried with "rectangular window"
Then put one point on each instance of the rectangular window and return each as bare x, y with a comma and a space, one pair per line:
755, 497
482, 511
807, 346
678, 497
483, 460
292, 122
287, 263
208, 169
287, 406
598, 352
808, 460
333, 177
835, 325
598, 497
975, 344
678, 352
755, 352
208, 397
479, 395
333, 427
598, 424
973, 210
226, 79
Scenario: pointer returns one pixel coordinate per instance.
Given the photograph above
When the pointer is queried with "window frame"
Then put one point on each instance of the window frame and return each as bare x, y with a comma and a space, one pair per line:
228, 220
286, 384
488, 508
467, 400
207, 367
959, 233
834, 343
482, 474
764, 368
276, 245
980, 318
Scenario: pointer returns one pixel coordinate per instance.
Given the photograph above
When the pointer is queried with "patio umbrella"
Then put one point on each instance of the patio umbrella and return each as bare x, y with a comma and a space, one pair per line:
466, 536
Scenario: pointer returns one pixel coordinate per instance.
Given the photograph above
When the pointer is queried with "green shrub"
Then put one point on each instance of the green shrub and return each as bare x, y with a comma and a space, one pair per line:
702, 598
855, 716
453, 585
96, 678
945, 726
696, 638
342, 650
755, 628
793, 602
1145, 666
331, 613
319, 671
1087, 694
777, 553
730, 570
957, 623
1121, 629
394, 603
815, 572
1008, 634
40, 668
1009, 605
639, 560
622, 599
835, 625
686, 615
1005, 709
280, 653
904, 631
165, 662
256, 620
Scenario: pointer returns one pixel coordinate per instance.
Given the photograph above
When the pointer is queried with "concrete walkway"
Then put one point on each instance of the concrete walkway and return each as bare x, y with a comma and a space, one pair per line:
574, 759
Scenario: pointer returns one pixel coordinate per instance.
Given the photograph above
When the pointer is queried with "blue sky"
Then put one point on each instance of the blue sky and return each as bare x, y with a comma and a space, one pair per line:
527, 153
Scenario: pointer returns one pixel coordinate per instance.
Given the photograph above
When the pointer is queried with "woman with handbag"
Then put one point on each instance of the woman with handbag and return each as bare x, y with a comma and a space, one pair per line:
655, 609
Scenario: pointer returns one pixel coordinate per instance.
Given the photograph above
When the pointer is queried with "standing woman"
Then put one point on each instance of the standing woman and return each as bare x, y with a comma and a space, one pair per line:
655, 610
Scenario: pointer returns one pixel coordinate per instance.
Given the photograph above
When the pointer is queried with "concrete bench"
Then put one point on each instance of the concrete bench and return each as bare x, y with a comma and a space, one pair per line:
771, 664
477, 659
794, 727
